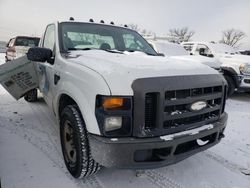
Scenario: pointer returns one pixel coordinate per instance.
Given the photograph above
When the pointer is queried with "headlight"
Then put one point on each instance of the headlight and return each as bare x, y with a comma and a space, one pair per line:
114, 115
244, 68
112, 123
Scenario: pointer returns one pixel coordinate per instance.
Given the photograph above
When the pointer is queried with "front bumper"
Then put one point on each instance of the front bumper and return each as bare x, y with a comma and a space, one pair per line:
141, 153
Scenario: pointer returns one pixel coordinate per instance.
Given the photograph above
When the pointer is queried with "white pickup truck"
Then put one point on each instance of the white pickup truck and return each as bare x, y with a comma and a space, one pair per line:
117, 103
236, 67
176, 51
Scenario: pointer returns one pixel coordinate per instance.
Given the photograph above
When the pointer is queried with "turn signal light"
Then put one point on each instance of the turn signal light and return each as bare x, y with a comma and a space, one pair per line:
113, 103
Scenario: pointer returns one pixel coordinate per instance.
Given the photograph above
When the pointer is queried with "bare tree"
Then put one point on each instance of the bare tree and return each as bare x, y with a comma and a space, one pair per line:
232, 37
179, 35
134, 27
142, 31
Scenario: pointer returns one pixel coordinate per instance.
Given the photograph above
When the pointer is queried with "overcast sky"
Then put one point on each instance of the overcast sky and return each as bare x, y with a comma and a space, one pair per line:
206, 17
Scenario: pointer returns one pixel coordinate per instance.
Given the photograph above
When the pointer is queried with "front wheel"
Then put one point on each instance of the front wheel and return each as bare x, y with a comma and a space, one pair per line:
231, 85
75, 144
31, 96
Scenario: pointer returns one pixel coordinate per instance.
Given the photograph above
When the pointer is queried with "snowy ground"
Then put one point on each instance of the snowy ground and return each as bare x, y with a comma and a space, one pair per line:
30, 154
2, 57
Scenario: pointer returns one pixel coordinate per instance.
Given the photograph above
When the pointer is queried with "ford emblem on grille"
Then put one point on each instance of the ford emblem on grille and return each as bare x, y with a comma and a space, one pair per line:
198, 105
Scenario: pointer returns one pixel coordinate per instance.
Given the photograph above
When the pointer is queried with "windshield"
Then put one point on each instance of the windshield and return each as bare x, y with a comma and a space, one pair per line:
223, 48
86, 36
27, 41
170, 49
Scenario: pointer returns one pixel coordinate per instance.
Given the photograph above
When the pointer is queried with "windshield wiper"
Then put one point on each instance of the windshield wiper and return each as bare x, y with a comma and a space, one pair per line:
142, 52
85, 49
113, 51
74, 49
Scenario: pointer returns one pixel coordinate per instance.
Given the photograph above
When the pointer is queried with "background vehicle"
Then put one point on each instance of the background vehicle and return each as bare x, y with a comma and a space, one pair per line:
245, 52
18, 46
236, 67
2, 47
119, 104
176, 51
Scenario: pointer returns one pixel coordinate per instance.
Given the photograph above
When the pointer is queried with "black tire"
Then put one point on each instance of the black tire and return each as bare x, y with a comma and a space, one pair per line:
77, 158
31, 96
231, 85
6, 60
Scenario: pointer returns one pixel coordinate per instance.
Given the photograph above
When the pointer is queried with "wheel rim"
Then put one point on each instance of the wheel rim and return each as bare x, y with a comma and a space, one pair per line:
69, 145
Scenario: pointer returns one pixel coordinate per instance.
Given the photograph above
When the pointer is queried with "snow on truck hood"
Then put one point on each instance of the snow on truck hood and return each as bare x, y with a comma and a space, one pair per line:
120, 70
237, 58
211, 62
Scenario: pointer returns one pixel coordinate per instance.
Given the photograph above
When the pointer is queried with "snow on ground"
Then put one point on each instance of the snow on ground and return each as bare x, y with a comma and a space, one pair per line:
30, 154
2, 58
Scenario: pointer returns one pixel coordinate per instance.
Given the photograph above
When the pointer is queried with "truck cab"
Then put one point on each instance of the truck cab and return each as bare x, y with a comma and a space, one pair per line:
236, 67
118, 103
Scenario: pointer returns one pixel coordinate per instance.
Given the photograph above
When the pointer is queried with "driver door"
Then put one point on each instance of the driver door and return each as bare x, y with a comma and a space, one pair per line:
46, 70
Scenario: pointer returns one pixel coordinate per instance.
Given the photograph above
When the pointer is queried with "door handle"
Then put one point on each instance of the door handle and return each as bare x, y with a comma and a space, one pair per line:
56, 79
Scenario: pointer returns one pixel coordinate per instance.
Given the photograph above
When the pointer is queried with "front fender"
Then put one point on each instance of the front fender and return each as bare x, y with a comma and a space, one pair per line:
83, 90
85, 104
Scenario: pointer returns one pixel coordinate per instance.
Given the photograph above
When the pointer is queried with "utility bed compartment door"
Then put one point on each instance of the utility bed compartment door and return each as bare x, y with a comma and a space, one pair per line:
18, 76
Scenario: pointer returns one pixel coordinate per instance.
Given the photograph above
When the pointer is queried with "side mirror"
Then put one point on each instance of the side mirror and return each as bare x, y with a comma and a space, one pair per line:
40, 55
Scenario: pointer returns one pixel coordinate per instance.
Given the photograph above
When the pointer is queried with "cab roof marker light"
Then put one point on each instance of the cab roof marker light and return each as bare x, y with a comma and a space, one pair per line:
102, 21
91, 20
112, 23
71, 19
125, 25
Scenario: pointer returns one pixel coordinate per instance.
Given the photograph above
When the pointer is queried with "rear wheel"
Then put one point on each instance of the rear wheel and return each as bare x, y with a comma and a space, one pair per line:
231, 85
75, 145
6, 60
31, 96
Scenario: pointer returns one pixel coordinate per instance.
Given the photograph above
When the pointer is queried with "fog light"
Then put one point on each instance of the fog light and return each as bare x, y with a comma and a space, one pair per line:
112, 123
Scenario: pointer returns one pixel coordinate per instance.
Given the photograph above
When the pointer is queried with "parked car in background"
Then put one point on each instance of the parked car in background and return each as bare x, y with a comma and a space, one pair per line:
2, 47
236, 67
246, 52
19, 46
176, 51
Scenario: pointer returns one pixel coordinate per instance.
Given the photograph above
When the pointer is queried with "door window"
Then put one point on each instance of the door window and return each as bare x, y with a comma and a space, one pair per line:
49, 37
131, 44
203, 50
11, 43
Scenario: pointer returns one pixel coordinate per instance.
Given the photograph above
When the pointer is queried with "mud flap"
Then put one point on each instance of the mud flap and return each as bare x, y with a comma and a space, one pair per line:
18, 76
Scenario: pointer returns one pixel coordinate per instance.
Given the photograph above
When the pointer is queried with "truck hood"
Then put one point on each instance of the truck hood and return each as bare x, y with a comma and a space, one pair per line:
120, 70
211, 62
239, 59
233, 61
